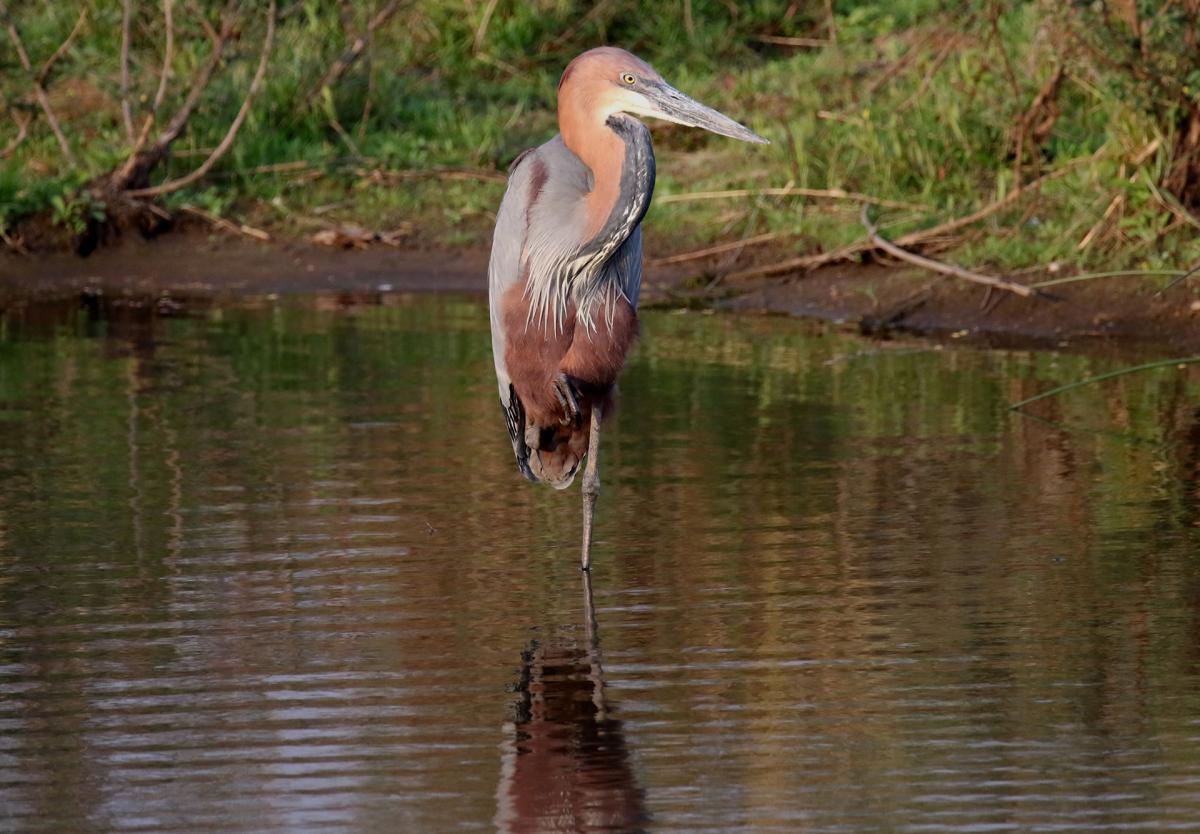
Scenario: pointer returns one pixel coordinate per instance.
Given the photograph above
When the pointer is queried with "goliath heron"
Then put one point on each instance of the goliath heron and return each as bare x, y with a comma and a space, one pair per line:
566, 263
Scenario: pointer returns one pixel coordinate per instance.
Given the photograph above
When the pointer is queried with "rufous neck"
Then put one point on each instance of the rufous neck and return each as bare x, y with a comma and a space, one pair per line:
586, 133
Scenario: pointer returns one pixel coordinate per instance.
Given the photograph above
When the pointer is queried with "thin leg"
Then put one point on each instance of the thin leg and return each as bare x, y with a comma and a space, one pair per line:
591, 486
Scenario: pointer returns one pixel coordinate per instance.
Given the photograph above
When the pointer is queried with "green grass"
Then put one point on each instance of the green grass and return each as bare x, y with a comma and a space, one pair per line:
936, 131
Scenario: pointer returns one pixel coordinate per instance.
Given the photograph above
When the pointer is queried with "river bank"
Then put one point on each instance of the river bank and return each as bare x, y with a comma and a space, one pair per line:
1124, 312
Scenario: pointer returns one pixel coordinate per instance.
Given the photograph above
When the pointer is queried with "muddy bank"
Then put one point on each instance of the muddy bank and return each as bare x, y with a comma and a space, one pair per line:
1111, 312
878, 300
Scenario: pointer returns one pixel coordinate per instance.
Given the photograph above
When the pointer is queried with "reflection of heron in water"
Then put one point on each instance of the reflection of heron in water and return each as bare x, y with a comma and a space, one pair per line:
564, 765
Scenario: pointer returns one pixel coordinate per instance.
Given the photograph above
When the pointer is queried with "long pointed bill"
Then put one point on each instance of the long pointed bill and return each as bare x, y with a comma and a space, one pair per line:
665, 102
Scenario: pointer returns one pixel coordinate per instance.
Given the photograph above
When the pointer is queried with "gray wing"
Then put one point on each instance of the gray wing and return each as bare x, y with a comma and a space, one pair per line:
504, 270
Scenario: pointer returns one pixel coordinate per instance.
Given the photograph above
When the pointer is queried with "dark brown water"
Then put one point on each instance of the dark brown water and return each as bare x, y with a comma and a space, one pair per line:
270, 567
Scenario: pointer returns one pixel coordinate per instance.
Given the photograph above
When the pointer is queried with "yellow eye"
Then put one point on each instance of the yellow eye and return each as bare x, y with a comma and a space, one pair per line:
628, 79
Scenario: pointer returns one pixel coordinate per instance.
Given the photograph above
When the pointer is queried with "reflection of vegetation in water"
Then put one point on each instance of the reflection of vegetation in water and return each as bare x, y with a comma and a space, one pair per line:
756, 393
792, 511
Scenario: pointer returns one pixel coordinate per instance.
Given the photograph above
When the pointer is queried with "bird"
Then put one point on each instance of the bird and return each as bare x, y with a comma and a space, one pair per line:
565, 270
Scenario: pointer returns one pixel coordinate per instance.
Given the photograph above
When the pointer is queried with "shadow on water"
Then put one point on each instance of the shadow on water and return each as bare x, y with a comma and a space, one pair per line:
564, 764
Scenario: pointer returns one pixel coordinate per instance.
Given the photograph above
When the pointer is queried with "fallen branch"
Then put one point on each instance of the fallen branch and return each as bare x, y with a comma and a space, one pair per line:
791, 191
231, 134
39, 88
809, 262
344, 61
715, 250
937, 266
222, 223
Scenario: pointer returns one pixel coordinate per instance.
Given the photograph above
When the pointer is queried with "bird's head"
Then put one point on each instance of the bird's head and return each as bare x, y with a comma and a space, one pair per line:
605, 81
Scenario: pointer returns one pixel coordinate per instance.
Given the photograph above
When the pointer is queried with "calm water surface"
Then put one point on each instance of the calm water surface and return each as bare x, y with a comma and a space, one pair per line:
267, 565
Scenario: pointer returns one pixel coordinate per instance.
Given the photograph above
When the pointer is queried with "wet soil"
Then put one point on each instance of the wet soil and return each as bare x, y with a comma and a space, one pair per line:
1127, 312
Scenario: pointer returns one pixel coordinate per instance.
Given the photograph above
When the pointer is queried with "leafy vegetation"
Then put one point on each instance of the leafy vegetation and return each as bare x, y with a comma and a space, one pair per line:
943, 108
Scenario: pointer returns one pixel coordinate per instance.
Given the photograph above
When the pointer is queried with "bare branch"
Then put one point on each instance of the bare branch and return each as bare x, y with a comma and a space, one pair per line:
22, 121
831, 22
231, 134
716, 250
126, 111
807, 262
347, 58
39, 89
44, 74
937, 266
199, 82
781, 40
791, 191
168, 56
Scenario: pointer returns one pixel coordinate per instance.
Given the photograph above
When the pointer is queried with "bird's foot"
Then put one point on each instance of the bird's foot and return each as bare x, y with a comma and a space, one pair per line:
564, 391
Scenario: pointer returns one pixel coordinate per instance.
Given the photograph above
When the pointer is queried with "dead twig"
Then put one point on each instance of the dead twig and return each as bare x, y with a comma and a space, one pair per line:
716, 250
369, 98
791, 191
168, 56
344, 61
126, 110
1118, 200
391, 175
44, 73
809, 262
39, 88
831, 23
1037, 121
231, 134
351, 145
938, 266
222, 223
810, 43
1087, 239
22, 121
